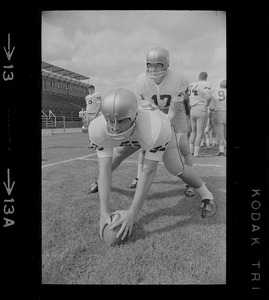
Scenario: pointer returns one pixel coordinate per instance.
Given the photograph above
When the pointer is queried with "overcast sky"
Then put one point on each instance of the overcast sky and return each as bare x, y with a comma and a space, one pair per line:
110, 46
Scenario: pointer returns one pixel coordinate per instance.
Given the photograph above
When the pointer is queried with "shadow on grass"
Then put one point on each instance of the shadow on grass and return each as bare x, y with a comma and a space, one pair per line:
190, 212
188, 208
178, 182
152, 196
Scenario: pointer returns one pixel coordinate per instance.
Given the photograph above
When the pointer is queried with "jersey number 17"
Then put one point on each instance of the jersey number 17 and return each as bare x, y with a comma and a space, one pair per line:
166, 98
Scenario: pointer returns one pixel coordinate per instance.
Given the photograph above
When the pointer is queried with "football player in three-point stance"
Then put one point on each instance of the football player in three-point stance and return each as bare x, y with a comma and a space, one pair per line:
122, 122
200, 96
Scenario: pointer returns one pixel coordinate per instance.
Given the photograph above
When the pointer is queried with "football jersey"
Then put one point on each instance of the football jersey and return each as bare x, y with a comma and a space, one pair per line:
152, 132
172, 88
218, 99
199, 92
92, 102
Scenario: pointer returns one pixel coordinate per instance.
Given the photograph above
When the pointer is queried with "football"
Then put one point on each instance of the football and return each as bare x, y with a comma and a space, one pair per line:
84, 129
109, 235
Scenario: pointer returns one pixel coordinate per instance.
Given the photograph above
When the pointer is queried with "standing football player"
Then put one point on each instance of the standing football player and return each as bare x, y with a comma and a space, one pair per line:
199, 94
122, 121
165, 89
219, 116
93, 108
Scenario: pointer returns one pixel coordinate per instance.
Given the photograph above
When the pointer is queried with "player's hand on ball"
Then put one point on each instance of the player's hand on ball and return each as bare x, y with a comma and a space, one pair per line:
84, 129
127, 220
104, 220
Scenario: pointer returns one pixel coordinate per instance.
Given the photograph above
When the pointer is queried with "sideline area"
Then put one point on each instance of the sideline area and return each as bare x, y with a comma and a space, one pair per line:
51, 131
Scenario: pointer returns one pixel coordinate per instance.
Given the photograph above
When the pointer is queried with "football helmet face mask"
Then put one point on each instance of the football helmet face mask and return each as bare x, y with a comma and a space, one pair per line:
157, 55
120, 109
96, 96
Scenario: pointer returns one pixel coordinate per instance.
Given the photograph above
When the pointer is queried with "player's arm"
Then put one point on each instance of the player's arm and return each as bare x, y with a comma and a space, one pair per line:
208, 94
152, 157
104, 185
128, 217
146, 103
143, 185
176, 105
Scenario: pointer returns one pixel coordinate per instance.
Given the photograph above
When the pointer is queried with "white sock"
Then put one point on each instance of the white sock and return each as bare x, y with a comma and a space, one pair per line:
139, 169
204, 192
196, 150
208, 142
221, 149
191, 148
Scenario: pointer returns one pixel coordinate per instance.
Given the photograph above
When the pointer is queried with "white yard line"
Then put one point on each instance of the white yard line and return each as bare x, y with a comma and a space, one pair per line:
68, 160
86, 157
135, 161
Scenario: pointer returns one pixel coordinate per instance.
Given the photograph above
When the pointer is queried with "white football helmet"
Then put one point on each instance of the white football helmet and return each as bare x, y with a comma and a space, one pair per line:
117, 105
157, 55
223, 84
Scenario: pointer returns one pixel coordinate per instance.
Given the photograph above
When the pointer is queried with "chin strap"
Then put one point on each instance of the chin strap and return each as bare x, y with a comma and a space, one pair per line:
122, 135
155, 75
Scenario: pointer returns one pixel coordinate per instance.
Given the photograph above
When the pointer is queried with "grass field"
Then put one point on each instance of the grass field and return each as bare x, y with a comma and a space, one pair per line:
170, 243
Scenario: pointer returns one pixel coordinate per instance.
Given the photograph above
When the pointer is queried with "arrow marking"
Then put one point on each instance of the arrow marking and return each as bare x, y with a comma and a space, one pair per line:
8, 188
7, 51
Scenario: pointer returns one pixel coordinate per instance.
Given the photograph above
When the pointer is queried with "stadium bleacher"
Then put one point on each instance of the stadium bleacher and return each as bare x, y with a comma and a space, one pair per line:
61, 105
63, 96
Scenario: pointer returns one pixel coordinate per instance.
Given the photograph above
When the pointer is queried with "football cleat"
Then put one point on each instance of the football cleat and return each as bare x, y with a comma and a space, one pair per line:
220, 154
133, 184
208, 208
189, 192
93, 189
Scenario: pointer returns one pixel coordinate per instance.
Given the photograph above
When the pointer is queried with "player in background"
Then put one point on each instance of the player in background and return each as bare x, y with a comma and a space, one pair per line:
219, 117
122, 121
165, 89
208, 141
93, 108
199, 94
210, 136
